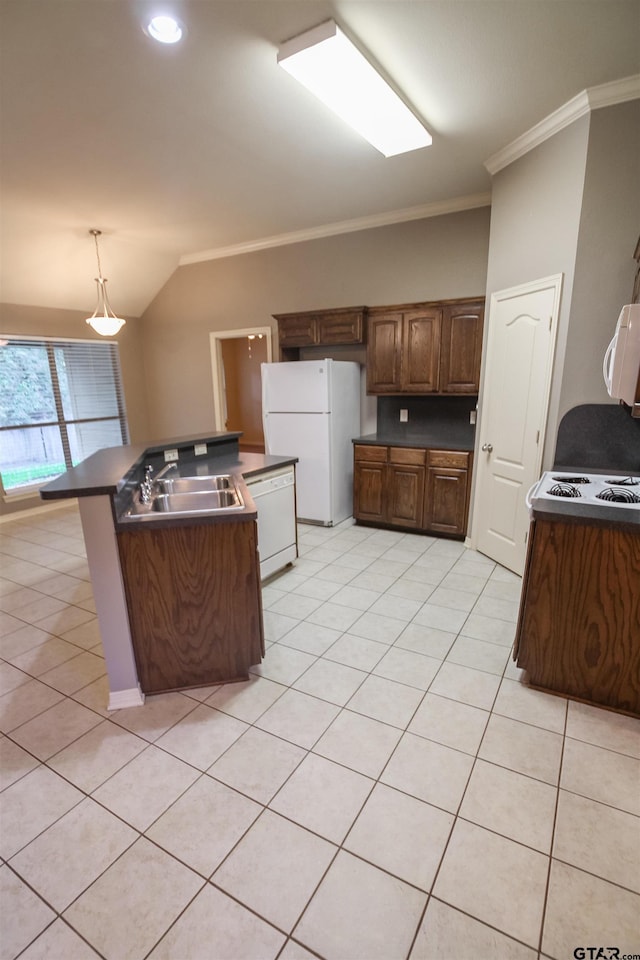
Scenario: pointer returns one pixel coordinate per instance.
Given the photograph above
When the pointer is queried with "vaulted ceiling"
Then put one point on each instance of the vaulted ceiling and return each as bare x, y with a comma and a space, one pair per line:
207, 145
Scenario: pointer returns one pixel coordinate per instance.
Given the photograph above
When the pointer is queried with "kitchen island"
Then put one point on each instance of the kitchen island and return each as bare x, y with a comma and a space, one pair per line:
177, 596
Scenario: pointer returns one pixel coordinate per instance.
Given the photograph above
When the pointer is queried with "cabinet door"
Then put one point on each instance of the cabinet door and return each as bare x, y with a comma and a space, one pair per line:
298, 330
577, 631
461, 348
446, 501
421, 351
405, 495
193, 595
368, 490
334, 328
384, 347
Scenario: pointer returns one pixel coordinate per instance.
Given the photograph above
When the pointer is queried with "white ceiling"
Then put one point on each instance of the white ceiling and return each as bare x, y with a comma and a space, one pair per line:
172, 151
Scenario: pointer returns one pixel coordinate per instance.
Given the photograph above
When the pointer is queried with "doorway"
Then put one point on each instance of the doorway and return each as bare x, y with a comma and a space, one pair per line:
236, 356
520, 346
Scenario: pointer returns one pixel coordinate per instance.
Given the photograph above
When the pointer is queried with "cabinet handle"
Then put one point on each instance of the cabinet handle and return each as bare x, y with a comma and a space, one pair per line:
488, 447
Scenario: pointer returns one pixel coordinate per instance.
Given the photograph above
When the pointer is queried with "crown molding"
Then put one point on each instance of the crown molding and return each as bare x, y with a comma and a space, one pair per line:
606, 95
438, 209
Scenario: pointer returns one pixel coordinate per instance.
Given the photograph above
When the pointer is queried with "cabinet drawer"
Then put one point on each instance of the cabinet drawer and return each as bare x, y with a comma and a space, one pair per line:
448, 458
371, 453
408, 455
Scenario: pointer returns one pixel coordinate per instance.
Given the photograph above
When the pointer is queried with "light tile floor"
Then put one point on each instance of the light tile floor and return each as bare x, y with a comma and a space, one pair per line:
384, 786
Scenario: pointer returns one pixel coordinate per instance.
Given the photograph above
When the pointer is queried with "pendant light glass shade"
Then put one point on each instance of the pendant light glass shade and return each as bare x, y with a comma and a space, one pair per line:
103, 319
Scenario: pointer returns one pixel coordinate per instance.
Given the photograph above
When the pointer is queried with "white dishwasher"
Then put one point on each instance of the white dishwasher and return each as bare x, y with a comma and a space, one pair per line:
275, 500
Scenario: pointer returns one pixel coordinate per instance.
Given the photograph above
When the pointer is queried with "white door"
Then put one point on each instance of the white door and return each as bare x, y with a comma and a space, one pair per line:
517, 382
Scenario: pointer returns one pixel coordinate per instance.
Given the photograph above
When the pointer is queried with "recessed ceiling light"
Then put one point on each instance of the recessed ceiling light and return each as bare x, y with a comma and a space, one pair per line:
164, 29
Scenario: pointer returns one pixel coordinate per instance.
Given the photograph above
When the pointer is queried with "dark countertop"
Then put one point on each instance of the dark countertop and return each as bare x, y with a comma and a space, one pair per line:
106, 471
453, 437
116, 472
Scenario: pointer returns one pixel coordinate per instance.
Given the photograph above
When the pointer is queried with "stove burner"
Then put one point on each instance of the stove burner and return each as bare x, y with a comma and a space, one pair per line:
572, 480
627, 482
564, 490
618, 495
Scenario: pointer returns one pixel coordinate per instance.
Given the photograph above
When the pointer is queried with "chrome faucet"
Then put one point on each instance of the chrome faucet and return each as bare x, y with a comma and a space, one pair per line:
165, 469
146, 485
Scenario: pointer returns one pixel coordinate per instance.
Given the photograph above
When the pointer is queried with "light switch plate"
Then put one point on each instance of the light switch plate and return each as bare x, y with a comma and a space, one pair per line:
404, 416
200, 449
170, 456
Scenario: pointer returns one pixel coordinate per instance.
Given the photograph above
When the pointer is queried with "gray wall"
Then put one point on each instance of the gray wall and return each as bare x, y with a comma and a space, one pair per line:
607, 238
535, 220
572, 206
435, 258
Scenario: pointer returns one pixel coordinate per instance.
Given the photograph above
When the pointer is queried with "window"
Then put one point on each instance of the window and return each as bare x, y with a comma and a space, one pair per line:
60, 401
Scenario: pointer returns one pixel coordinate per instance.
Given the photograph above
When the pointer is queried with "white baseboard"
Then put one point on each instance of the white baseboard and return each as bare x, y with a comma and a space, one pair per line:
43, 507
120, 699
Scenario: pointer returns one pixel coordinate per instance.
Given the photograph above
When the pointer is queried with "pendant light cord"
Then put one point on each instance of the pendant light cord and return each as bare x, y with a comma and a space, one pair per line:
96, 234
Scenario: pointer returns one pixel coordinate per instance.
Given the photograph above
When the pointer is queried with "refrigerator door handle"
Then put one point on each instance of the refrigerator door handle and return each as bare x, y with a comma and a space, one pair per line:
264, 408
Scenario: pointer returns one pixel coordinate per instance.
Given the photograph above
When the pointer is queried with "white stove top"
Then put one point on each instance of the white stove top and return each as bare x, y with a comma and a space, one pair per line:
595, 489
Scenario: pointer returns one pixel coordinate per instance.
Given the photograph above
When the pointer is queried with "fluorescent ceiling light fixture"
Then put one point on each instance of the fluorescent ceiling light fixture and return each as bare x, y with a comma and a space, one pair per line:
164, 29
327, 63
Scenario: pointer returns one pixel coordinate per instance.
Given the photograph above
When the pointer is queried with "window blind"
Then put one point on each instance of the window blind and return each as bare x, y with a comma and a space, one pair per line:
60, 401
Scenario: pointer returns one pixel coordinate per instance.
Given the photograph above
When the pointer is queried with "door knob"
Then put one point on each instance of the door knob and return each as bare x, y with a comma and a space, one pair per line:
488, 447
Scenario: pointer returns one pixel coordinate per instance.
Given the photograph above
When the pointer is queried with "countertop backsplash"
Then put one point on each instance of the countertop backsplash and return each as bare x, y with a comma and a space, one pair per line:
432, 421
601, 436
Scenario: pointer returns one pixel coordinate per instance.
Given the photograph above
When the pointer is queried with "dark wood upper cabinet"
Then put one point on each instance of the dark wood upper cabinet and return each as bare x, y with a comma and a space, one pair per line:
425, 348
299, 330
461, 348
322, 328
419, 365
384, 353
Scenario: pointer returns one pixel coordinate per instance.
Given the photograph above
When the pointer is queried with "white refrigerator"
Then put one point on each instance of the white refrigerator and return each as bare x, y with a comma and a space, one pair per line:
311, 410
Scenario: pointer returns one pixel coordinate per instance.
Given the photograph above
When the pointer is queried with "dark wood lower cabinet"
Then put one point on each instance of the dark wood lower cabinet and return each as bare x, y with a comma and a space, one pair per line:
369, 485
413, 488
194, 600
405, 495
578, 632
446, 500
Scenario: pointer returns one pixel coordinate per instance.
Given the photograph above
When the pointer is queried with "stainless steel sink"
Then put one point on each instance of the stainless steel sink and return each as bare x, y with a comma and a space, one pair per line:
197, 501
188, 496
194, 484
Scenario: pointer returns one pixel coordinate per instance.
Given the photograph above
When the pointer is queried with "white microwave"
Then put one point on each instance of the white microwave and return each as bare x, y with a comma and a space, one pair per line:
621, 365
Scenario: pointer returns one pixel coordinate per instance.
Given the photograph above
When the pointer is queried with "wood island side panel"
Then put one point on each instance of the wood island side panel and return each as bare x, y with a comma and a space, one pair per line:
579, 627
193, 596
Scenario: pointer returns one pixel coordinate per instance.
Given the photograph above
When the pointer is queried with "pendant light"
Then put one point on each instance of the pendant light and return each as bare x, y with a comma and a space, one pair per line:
103, 319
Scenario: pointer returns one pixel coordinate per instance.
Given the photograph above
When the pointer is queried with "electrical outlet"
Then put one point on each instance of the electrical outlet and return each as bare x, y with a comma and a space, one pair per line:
404, 416
170, 456
472, 416
200, 449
